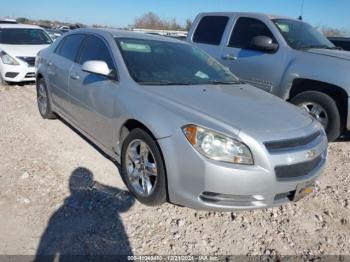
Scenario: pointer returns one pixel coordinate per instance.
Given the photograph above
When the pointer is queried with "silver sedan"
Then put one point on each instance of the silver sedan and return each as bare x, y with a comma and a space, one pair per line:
183, 128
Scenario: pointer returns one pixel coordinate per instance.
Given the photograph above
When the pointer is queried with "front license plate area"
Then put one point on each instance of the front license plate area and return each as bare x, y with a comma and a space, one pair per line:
304, 189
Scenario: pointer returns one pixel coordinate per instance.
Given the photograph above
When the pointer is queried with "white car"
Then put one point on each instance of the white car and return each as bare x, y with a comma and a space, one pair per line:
19, 45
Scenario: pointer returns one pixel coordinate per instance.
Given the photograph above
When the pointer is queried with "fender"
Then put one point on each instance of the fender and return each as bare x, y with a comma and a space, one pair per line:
314, 67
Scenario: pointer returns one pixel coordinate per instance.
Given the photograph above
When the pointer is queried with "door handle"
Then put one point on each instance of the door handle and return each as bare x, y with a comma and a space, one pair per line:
49, 63
229, 57
75, 76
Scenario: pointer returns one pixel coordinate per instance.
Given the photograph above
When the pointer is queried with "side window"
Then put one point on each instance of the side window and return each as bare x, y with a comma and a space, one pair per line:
210, 30
58, 47
70, 46
245, 30
96, 49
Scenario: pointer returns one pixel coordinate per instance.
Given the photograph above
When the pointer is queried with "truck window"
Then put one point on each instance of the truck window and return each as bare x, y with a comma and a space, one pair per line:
245, 30
210, 30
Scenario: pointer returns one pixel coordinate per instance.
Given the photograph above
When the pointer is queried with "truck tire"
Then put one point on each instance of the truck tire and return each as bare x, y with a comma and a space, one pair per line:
323, 108
143, 169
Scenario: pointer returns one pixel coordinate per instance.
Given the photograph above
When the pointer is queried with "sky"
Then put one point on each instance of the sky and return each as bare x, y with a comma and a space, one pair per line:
121, 13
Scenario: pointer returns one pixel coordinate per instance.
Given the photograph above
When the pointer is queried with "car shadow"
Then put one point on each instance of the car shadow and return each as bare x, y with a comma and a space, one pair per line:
88, 224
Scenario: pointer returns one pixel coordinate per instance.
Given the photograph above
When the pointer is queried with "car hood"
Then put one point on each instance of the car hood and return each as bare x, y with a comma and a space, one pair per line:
332, 53
240, 106
22, 50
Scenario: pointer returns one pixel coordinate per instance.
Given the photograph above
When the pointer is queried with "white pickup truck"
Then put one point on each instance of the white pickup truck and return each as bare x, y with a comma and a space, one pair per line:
283, 56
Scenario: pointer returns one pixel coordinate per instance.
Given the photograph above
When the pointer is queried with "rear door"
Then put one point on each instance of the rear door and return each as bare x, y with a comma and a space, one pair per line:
258, 68
93, 96
208, 35
59, 66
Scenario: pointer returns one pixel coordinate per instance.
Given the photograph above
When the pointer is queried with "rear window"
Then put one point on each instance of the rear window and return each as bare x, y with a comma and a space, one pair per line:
210, 30
24, 36
70, 46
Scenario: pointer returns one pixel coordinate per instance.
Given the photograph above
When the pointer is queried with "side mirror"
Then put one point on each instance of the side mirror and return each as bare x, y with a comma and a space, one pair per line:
263, 43
97, 67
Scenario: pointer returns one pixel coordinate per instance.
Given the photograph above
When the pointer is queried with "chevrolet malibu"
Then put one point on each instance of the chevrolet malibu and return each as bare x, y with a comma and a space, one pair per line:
182, 127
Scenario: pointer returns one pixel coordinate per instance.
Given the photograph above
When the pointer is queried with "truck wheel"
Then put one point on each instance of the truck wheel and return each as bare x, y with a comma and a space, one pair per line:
143, 169
43, 100
323, 108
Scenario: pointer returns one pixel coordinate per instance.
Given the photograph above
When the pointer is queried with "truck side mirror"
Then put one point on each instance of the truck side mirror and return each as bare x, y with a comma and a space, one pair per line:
263, 43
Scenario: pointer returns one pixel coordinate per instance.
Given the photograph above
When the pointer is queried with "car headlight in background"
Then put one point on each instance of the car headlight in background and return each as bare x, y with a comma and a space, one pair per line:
218, 146
7, 59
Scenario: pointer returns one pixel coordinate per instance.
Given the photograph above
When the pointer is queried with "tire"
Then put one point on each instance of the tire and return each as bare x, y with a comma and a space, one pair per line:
2, 81
326, 103
44, 104
134, 173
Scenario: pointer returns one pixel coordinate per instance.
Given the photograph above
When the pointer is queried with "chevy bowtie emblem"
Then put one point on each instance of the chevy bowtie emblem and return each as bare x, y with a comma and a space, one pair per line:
311, 154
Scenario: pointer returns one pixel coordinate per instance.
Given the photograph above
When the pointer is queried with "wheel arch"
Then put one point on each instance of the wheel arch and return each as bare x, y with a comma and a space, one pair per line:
337, 93
39, 76
132, 124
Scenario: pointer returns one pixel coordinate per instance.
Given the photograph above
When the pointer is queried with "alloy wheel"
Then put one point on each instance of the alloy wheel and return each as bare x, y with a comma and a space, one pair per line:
316, 111
141, 167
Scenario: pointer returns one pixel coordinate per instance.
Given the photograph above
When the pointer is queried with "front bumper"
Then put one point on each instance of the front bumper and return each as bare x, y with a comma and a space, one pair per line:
200, 183
17, 73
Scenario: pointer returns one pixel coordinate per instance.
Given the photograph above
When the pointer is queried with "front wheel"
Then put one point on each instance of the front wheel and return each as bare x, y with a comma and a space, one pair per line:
323, 108
2, 81
143, 169
43, 100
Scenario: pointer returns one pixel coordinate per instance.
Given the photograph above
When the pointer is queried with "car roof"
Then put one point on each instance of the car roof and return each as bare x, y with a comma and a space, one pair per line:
19, 26
250, 14
120, 33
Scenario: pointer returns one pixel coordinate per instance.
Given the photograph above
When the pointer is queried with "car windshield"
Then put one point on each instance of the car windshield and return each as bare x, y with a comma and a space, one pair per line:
170, 63
300, 35
24, 36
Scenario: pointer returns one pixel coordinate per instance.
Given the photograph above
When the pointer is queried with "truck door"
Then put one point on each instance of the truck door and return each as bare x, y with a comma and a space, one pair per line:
259, 68
208, 34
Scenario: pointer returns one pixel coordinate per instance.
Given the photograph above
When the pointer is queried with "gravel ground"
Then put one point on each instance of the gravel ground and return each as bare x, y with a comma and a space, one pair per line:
58, 194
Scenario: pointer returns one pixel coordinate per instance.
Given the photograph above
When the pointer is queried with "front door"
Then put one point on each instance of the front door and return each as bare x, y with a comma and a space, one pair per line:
93, 96
258, 68
58, 68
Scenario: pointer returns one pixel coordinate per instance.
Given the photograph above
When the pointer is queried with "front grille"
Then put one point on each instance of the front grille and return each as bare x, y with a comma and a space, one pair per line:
11, 74
28, 59
283, 145
290, 172
30, 75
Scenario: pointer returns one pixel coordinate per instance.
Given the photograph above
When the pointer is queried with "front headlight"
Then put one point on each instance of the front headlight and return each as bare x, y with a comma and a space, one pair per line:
7, 59
218, 146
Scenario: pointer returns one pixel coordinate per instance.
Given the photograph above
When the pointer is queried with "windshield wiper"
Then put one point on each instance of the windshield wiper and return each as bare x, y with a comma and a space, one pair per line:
219, 82
335, 48
169, 83
163, 82
318, 46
